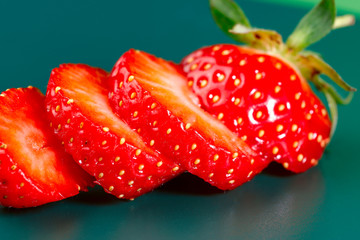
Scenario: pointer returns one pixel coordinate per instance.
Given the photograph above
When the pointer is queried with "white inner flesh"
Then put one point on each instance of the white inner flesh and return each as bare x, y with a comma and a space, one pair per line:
165, 82
27, 145
91, 97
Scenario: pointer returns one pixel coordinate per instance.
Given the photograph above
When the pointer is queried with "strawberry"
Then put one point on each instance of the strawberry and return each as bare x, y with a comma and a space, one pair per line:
152, 97
34, 168
264, 100
99, 141
261, 92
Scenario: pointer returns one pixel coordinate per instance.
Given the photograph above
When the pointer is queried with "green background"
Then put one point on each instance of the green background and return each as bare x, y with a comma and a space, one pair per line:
322, 203
351, 6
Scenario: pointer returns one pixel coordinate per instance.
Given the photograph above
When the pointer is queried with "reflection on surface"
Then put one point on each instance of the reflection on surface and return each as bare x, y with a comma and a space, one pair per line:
278, 208
271, 206
276, 205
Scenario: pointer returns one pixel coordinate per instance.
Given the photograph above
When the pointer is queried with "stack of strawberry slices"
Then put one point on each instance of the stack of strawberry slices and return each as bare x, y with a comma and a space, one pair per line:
223, 114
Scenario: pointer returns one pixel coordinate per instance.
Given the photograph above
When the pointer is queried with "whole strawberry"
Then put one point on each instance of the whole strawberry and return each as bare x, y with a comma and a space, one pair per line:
261, 92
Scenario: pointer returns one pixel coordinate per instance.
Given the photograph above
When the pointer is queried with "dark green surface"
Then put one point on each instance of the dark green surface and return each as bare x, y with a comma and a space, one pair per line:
322, 203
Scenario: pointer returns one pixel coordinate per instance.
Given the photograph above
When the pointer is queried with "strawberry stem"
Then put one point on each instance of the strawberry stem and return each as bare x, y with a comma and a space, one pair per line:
263, 39
343, 21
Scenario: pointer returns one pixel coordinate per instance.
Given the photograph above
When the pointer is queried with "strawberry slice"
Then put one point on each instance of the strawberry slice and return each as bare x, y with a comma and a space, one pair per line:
262, 98
150, 95
34, 168
99, 141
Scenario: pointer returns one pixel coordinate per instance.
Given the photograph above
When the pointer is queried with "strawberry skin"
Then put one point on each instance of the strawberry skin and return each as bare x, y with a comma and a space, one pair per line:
150, 95
262, 98
34, 168
99, 141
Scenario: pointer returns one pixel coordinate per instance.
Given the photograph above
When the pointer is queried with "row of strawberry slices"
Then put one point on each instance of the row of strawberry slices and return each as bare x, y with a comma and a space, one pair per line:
223, 114
131, 131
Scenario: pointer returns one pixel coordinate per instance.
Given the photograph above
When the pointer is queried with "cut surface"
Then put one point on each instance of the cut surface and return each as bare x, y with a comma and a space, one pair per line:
87, 87
99, 141
34, 167
170, 89
152, 97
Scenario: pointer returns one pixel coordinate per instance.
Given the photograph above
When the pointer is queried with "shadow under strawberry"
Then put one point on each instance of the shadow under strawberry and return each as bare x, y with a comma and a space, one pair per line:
21, 211
96, 196
189, 184
277, 170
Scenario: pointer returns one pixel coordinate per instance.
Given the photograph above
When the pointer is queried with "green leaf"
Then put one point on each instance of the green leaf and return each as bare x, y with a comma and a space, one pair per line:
325, 87
319, 66
313, 26
333, 112
333, 99
257, 38
227, 14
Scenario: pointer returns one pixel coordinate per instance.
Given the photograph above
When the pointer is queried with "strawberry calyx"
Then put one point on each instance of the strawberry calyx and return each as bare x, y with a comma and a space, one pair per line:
315, 25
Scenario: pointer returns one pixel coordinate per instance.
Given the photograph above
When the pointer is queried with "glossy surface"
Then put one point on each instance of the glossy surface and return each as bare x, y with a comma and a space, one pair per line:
322, 203
263, 99
27, 148
177, 127
103, 145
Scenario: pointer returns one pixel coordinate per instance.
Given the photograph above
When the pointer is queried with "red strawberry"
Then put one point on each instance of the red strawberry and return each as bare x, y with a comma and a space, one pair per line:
150, 95
261, 92
264, 100
99, 141
34, 168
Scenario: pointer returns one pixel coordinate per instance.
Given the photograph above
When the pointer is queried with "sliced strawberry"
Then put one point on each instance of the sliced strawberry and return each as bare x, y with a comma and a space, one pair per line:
34, 168
262, 98
99, 141
151, 96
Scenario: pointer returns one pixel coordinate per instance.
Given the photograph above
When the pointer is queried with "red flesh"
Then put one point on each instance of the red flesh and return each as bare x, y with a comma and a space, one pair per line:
150, 95
98, 140
34, 168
